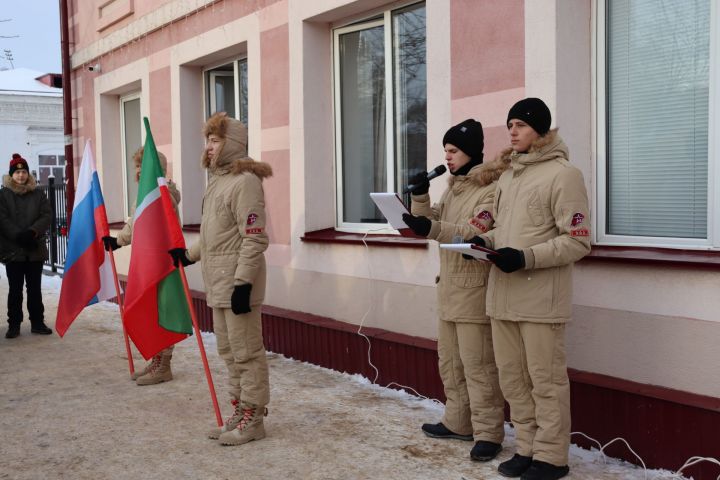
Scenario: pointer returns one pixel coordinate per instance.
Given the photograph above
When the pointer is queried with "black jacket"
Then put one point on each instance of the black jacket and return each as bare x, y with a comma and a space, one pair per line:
23, 207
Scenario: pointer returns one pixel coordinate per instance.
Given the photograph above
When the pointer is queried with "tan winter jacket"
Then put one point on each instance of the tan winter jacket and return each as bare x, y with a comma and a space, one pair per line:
541, 208
464, 210
124, 237
233, 233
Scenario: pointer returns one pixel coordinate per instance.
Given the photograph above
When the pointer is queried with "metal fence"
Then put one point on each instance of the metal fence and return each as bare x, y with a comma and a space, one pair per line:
58, 234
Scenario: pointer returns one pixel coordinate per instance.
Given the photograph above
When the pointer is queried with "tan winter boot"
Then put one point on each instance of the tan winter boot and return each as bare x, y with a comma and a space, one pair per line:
139, 373
230, 423
249, 428
159, 370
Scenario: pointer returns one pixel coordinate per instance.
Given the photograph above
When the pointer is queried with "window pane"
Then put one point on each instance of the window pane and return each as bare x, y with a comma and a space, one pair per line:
362, 78
224, 93
243, 72
132, 141
410, 94
658, 100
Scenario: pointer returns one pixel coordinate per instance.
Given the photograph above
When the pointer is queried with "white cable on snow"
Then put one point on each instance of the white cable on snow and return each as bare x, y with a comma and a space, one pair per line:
677, 475
362, 322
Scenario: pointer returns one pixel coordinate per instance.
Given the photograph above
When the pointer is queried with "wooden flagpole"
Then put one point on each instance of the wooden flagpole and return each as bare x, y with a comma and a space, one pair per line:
122, 313
196, 329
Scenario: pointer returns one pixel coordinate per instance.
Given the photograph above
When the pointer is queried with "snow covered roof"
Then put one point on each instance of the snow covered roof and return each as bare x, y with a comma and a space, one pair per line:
22, 81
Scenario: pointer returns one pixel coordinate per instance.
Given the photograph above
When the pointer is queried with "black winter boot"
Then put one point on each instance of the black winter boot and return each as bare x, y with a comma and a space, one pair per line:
40, 328
485, 451
544, 471
438, 430
13, 330
516, 466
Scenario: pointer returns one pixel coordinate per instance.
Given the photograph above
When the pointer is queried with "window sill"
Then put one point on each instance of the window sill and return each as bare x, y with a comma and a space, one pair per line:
330, 235
195, 228
700, 259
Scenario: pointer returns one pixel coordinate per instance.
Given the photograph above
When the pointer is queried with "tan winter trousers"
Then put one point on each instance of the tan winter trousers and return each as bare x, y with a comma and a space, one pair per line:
474, 402
533, 376
240, 345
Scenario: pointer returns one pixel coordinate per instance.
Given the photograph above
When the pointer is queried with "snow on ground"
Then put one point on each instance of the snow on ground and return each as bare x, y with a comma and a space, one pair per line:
70, 411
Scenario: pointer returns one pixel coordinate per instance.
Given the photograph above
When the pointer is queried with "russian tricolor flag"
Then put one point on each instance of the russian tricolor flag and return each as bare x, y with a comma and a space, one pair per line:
88, 276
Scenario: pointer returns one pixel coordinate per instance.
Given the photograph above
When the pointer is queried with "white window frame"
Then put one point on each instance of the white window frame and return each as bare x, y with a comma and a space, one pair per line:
383, 18
600, 105
209, 74
385, 22
123, 99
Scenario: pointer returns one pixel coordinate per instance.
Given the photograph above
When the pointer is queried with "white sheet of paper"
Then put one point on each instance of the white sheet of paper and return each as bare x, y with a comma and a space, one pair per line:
391, 207
471, 249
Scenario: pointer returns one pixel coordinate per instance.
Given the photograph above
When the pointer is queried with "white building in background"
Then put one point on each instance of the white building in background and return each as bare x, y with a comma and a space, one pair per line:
31, 121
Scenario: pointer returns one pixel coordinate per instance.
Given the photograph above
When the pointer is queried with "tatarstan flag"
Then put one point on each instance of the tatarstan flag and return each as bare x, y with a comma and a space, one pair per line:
157, 314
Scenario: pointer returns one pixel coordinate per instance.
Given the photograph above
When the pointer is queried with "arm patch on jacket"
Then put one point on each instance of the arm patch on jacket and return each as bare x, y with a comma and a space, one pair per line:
484, 215
478, 224
481, 221
256, 230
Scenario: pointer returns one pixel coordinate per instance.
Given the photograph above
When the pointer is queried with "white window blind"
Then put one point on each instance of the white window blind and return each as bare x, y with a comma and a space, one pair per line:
658, 58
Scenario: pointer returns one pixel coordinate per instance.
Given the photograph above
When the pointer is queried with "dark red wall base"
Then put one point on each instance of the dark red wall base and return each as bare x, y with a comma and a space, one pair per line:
665, 427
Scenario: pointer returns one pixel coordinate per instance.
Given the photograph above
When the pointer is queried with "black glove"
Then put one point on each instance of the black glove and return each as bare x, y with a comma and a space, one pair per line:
110, 243
26, 238
240, 300
508, 259
477, 241
420, 225
421, 182
179, 255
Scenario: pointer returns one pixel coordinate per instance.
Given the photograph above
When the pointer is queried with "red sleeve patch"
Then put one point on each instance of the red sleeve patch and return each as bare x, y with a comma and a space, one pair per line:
478, 224
577, 219
580, 232
485, 215
252, 218
251, 231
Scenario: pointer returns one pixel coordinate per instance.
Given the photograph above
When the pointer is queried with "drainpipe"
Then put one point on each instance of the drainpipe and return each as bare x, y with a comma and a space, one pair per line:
67, 110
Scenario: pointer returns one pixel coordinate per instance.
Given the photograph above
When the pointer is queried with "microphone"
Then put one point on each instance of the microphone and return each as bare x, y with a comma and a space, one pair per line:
435, 172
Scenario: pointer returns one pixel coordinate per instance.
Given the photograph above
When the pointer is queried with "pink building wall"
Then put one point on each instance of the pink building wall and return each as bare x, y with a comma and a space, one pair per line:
155, 47
488, 58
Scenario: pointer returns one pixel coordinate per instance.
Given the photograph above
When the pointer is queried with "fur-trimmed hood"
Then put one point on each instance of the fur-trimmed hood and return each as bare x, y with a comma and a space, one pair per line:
483, 174
17, 188
233, 158
247, 164
544, 148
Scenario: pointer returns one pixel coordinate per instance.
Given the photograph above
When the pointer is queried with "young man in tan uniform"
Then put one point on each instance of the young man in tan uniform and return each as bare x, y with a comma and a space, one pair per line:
542, 227
232, 240
474, 403
158, 370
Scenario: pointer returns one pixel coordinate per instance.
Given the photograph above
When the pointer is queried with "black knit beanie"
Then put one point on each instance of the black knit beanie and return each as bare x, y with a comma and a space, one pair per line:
468, 137
17, 163
534, 112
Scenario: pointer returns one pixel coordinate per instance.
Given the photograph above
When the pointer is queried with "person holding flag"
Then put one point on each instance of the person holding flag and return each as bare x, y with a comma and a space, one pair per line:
232, 240
157, 314
158, 369
24, 219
